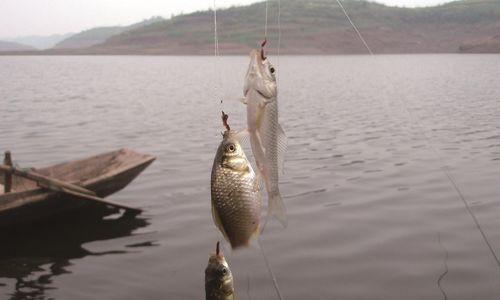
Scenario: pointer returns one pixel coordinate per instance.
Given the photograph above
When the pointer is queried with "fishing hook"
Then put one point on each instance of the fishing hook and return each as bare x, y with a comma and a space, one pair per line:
224, 122
262, 54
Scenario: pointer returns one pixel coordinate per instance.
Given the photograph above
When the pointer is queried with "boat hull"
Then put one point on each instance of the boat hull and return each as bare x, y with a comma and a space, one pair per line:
37, 204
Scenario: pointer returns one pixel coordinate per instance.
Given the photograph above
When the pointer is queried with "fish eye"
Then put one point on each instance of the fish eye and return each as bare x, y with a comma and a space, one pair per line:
272, 70
231, 147
223, 271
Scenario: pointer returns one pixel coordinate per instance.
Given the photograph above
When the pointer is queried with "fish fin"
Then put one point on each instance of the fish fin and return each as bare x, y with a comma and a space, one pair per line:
269, 100
218, 222
255, 235
260, 145
265, 89
259, 181
265, 223
253, 242
244, 100
276, 208
265, 101
282, 148
259, 118
241, 135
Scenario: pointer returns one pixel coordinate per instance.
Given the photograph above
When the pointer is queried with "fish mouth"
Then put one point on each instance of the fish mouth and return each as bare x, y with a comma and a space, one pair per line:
258, 76
254, 70
256, 55
256, 61
257, 64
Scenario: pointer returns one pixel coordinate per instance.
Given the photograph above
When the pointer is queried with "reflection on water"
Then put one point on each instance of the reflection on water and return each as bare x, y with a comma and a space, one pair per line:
34, 254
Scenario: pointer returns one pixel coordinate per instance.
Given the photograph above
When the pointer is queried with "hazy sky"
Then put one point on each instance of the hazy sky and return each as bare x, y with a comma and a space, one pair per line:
44, 17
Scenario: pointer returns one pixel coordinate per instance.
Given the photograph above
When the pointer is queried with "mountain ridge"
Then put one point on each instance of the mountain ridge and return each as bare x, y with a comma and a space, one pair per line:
320, 27
6, 46
316, 27
98, 35
40, 42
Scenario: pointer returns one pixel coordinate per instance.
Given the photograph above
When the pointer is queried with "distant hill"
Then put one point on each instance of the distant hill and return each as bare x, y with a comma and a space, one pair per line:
40, 42
99, 35
308, 27
11, 46
320, 27
88, 38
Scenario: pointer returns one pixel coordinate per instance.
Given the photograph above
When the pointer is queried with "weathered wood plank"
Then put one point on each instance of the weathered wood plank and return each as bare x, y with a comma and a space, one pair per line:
44, 181
101, 200
8, 176
64, 187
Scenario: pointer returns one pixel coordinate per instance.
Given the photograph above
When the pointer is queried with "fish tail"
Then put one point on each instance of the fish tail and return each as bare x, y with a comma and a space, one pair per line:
276, 208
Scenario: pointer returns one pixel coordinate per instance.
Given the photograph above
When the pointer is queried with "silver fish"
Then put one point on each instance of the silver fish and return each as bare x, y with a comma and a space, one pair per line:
218, 278
267, 138
236, 198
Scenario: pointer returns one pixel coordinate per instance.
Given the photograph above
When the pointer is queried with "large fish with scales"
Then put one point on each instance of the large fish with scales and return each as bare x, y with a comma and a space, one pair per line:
236, 197
267, 138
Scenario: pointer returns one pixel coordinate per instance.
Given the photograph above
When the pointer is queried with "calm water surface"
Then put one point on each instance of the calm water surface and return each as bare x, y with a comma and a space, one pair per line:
372, 214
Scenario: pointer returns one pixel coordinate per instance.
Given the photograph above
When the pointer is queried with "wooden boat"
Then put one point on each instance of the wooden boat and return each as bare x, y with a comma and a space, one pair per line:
103, 174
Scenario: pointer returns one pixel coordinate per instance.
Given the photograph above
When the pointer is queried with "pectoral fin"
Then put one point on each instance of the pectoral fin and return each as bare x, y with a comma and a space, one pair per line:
242, 135
218, 222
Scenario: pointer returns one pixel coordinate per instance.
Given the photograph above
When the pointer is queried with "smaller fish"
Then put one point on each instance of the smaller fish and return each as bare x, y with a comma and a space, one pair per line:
218, 278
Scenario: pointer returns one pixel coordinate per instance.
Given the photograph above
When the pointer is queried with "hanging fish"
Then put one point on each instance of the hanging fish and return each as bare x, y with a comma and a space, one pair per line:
236, 198
267, 138
218, 278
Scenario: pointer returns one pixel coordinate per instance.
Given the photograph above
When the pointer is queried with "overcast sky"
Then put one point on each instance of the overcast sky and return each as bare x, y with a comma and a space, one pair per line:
45, 17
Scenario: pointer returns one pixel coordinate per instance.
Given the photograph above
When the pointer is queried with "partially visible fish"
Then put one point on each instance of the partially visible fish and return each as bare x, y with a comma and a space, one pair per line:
267, 138
218, 278
236, 198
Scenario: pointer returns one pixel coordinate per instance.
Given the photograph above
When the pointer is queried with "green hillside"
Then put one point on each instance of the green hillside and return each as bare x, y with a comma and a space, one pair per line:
320, 27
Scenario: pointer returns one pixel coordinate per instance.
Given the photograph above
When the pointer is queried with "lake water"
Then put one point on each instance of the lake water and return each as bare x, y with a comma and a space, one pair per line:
372, 213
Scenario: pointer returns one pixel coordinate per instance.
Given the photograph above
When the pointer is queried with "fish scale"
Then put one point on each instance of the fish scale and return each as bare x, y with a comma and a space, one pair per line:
273, 145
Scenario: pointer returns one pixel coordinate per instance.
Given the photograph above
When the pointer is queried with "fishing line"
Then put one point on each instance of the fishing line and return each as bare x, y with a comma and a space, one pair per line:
355, 27
444, 168
216, 56
268, 265
275, 282
446, 270
279, 43
248, 288
454, 184
265, 26
452, 179
217, 77
266, 261
216, 38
